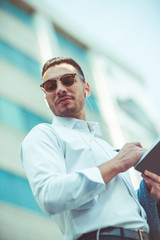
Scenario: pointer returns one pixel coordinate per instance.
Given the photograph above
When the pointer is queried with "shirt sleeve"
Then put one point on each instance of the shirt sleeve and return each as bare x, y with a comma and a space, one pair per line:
55, 190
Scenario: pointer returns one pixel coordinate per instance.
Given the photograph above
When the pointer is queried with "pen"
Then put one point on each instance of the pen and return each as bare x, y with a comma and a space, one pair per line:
116, 150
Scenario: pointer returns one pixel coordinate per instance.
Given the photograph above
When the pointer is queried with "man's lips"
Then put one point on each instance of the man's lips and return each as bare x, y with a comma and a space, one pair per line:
64, 100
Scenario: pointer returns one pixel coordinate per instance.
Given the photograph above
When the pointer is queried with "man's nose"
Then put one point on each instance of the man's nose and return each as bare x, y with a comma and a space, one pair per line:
61, 89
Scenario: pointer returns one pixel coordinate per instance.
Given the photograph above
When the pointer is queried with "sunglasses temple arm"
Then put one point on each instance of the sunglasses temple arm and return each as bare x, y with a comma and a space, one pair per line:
79, 75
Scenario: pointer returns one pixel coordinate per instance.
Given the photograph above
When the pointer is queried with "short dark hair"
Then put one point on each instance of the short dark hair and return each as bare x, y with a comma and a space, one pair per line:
58, 60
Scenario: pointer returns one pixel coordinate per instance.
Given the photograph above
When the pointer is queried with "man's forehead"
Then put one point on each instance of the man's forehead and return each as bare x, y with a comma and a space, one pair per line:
58, 71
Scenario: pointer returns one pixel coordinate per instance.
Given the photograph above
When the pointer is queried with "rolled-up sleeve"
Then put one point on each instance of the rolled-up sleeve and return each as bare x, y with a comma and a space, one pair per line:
53, 188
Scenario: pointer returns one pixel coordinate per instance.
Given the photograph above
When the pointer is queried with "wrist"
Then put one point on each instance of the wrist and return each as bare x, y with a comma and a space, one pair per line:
118, 164
108, 170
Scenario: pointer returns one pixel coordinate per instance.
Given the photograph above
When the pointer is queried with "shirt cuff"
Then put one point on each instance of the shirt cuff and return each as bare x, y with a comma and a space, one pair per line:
94, 185
93, 174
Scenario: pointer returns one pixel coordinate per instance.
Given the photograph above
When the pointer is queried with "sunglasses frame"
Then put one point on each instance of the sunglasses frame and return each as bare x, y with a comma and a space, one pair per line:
73, 74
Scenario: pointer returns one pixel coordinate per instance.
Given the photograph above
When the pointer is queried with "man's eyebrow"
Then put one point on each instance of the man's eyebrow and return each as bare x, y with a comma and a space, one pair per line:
54, 78
50, 79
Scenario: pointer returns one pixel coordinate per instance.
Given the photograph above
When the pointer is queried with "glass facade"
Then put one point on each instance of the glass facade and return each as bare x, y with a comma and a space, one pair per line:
71, 49
17, 12
16, 190
18, 117
138, 114
20, 59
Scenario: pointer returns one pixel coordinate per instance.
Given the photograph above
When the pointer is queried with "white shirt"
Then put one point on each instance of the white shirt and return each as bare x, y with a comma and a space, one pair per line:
60, 160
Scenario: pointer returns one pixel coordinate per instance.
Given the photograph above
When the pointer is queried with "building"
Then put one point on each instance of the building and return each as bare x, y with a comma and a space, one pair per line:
29, 35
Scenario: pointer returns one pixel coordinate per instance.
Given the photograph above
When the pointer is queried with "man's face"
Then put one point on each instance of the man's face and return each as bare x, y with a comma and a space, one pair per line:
66, 101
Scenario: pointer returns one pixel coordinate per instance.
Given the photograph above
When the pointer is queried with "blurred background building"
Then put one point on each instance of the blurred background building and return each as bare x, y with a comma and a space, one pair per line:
29, 35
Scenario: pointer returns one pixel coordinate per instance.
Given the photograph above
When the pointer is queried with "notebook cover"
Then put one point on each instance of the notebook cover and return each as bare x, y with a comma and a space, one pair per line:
150, 160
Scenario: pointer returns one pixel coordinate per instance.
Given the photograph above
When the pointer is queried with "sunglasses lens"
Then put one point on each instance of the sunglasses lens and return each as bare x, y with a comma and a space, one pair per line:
50, 86
67, 80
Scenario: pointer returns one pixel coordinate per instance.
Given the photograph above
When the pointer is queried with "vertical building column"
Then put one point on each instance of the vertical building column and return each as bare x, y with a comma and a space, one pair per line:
46, 36
108, 105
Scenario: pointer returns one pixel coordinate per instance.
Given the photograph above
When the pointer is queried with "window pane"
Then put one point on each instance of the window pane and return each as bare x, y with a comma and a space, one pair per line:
11, 114
17, 117
32, 119
16, 190
17, 12
19, 59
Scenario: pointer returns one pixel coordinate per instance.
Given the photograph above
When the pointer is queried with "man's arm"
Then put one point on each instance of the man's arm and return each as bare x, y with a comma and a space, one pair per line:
54, 188
128, 156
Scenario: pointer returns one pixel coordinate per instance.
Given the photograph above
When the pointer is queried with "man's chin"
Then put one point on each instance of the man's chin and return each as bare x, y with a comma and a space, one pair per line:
65, 113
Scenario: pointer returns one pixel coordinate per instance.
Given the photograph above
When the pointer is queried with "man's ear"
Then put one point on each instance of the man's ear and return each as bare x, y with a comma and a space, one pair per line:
46, 101
87, 89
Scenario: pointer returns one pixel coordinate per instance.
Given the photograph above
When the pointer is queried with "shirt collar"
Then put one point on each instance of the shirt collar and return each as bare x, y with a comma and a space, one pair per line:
74, 123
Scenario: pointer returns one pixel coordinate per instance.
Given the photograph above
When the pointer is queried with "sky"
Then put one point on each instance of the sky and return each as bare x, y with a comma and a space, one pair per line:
129, 31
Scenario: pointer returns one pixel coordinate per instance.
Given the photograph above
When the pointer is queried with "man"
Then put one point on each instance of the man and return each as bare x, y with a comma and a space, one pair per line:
76, 177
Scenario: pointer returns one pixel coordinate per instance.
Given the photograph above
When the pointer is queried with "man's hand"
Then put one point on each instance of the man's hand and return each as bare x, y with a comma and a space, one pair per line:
128, 156
153, 184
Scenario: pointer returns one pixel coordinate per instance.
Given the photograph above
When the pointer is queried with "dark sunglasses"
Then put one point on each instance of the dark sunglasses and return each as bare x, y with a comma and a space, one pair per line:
67, 80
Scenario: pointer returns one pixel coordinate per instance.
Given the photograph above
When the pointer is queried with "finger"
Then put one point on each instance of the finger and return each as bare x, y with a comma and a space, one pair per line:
152, 176
151, 181
152, 184
138, 144
156, 193
147, 182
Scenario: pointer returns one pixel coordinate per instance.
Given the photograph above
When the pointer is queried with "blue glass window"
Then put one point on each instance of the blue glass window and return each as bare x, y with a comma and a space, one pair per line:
32, 119
16, 190
11, 114
71, 48
17, 117
17, 12
21, 60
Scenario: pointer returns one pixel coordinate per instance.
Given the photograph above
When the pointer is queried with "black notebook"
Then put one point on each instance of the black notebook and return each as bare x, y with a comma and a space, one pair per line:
150, 160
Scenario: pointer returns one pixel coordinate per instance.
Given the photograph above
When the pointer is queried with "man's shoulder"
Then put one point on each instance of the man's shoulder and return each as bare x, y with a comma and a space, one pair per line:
39, 131
44, 131
40, 128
